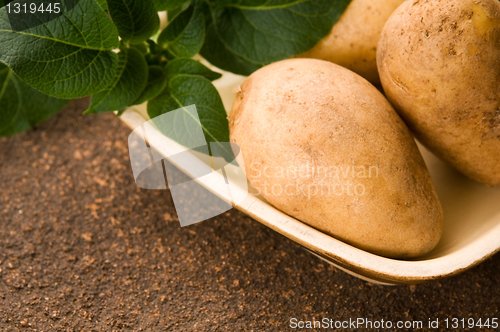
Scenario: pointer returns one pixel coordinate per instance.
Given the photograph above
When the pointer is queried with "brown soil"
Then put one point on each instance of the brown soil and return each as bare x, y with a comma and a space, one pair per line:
83, 248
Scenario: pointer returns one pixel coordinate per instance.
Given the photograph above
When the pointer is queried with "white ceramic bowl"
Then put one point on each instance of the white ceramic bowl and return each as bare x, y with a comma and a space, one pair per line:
471, 225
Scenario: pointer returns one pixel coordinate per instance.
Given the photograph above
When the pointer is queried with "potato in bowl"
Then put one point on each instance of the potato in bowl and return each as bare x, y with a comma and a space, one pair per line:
439, 62
324, 146
352, 42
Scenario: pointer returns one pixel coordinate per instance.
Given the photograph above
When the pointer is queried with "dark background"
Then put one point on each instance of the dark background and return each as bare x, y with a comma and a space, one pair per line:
83, 248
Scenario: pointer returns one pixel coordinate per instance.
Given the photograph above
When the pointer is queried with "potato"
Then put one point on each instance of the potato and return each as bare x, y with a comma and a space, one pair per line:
439, 63
352, 42
323, 145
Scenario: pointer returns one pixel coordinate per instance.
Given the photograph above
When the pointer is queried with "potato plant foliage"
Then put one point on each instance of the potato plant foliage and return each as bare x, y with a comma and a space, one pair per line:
114, 51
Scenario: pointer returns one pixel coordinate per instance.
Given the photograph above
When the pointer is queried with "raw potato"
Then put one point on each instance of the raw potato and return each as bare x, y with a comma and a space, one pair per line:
321, 120
439, 63
352, 43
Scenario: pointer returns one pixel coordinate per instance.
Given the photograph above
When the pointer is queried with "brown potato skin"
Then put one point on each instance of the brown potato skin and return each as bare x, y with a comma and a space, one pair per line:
352, 42
439, 62
312, 112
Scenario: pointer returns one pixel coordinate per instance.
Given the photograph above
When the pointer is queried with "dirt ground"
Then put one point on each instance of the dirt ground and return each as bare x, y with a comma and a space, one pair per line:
82, 248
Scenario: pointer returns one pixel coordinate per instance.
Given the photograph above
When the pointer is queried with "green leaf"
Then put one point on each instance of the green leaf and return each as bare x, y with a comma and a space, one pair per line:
130, 80
162, 5
136, 20
103, 4
154, 48
185, 90
215, 52
173, 13
185, 34
157, 80
264, 36
67, 57
189, 66
141, 47
22, 107
260, 4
